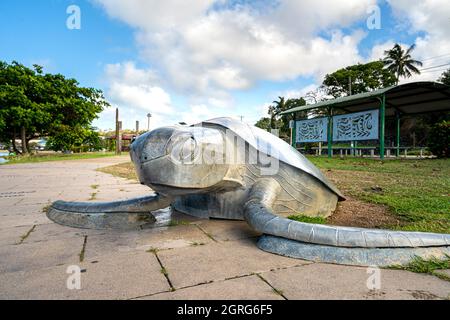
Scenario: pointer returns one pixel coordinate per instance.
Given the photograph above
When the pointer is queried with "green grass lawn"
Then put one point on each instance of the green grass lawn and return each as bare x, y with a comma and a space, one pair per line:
56, 157
417, 191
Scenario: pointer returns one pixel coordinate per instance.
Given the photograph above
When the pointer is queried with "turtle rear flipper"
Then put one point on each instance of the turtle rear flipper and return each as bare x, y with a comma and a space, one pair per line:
125, 214
335, 244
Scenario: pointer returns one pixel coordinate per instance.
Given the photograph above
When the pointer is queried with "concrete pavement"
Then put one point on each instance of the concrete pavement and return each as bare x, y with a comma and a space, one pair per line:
193, 259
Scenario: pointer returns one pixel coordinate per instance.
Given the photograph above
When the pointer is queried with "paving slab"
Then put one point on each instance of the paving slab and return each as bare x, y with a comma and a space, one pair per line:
53, 231
110, 242
44, 283
218, 261
445, 273
227, 230
328, 281
10, 236
31, 256
122, 276
245, 288
119, 276
172, 237
19, 220
8, 202
21, 209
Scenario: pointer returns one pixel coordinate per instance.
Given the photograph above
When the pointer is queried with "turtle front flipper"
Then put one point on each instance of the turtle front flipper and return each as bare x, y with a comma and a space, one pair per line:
342, 245
125, 214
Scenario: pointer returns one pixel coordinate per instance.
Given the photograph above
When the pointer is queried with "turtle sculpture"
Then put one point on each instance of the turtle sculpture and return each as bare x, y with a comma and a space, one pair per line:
223, 168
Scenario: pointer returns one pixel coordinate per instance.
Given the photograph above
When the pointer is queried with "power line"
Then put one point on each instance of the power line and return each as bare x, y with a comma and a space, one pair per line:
435, 57
434, 70
433, 67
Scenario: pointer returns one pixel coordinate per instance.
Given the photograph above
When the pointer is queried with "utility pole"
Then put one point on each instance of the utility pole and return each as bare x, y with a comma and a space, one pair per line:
118, 144
349, 85
149, 115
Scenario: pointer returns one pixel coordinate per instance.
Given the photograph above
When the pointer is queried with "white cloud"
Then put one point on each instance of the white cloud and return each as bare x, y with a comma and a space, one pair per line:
135, 92
298, 93
205, 51
134, 88
198, 113
156, 14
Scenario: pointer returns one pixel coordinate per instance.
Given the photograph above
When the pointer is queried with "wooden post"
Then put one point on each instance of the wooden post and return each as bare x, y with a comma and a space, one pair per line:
118, 146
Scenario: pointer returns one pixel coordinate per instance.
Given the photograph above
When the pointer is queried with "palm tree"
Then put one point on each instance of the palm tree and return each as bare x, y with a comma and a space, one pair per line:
274, 110
400, 62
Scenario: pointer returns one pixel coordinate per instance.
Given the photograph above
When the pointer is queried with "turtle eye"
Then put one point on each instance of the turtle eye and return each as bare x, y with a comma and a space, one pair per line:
182, 148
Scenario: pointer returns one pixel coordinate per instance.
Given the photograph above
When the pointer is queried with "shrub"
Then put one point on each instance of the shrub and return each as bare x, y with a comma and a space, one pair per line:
439, 139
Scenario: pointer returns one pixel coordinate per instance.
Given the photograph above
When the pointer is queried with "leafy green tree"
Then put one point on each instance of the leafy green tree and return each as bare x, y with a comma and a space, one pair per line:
400, 62
282, 121
72, 138
34, 104
359, 78
275, 109
263, 123
439, 139
445, 77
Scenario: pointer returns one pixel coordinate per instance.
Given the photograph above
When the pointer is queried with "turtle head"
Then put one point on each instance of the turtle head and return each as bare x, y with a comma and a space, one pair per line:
180, 160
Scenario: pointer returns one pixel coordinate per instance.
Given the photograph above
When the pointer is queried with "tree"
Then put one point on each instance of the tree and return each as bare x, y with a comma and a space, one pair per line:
400, 62
445, 77
275, 109
283, 120
34, 104
263, 123
439, 139
69, 138
358, 78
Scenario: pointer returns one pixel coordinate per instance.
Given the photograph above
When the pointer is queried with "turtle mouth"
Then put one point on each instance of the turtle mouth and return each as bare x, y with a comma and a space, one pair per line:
166, 190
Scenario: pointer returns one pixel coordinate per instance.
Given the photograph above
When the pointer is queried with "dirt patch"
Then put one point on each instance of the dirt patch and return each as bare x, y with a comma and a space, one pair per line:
123, 170
356, 213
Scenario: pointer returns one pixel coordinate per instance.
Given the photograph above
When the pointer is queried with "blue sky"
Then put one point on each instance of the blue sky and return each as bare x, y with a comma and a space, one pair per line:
187, 61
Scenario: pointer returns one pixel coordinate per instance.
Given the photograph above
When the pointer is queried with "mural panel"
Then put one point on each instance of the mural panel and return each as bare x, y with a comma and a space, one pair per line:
312, 130
356, 126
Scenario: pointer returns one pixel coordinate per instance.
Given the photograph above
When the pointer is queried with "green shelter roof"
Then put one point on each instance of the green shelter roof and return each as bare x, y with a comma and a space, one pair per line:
408, 98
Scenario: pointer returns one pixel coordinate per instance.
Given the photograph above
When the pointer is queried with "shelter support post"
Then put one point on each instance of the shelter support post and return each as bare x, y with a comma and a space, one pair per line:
330, 133
397, 136
294, 134
382, 124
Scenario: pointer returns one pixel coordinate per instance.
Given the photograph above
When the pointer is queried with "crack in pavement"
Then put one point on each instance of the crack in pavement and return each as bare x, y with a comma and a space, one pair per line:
83, 249
275, 290
26, 235
258, 274
206, 233
163, 270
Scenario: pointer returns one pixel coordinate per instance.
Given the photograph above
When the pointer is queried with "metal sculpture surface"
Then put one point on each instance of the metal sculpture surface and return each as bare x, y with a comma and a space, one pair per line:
225, 169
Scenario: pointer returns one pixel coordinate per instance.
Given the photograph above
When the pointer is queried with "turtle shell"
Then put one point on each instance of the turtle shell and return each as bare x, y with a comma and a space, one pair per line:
273, 146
